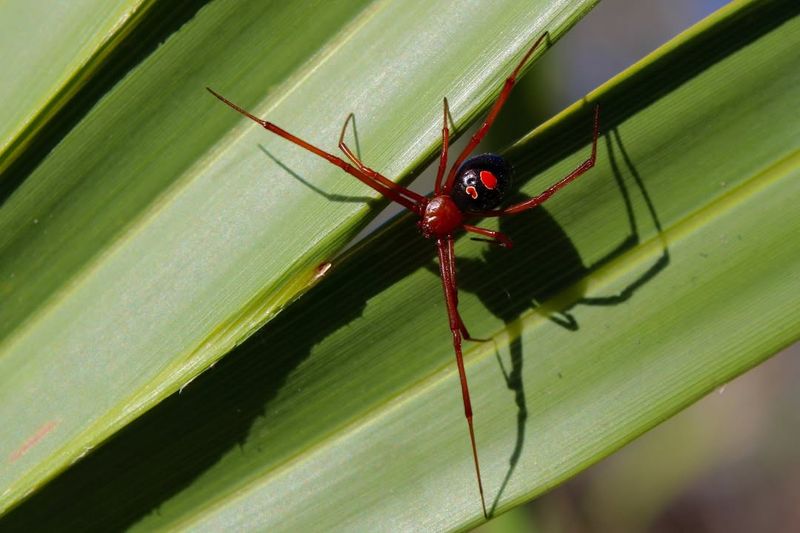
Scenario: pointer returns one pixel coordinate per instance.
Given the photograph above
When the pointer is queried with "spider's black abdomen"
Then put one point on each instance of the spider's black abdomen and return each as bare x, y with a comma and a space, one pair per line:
481, 183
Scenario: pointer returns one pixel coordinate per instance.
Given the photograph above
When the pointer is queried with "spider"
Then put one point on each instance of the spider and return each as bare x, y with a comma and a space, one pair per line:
473, 188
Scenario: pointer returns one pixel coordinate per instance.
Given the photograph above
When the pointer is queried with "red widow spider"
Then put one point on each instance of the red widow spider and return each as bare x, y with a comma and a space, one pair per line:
473, 188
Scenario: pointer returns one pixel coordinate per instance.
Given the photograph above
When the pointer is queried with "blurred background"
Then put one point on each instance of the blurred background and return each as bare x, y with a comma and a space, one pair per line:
729, 463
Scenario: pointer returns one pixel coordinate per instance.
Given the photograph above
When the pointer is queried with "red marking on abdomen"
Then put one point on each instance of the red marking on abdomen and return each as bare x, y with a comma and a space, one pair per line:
33, 440
488, 179
472, 191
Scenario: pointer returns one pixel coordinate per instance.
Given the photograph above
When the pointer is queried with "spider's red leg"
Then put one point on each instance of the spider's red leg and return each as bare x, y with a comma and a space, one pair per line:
496, 236
496, 107
437, 189
446, 268
371, 173
550, 191
392, 193
452, 262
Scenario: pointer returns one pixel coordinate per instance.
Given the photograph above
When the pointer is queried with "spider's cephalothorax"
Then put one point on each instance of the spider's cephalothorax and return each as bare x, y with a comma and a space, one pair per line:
481, 183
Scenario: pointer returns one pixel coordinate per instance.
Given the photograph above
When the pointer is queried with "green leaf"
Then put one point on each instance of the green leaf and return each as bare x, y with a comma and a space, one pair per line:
50, 72
660, 275
155, 236
355, 420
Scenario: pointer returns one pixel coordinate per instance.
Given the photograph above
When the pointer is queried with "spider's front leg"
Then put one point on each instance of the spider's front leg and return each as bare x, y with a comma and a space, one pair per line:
417, 199
408, 199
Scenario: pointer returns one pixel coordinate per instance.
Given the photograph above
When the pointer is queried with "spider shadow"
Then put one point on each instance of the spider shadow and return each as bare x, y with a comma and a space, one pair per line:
367, 200
329, 196
508, 287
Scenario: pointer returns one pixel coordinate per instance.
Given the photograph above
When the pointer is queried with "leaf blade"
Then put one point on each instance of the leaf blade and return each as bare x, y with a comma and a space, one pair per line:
109, 255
